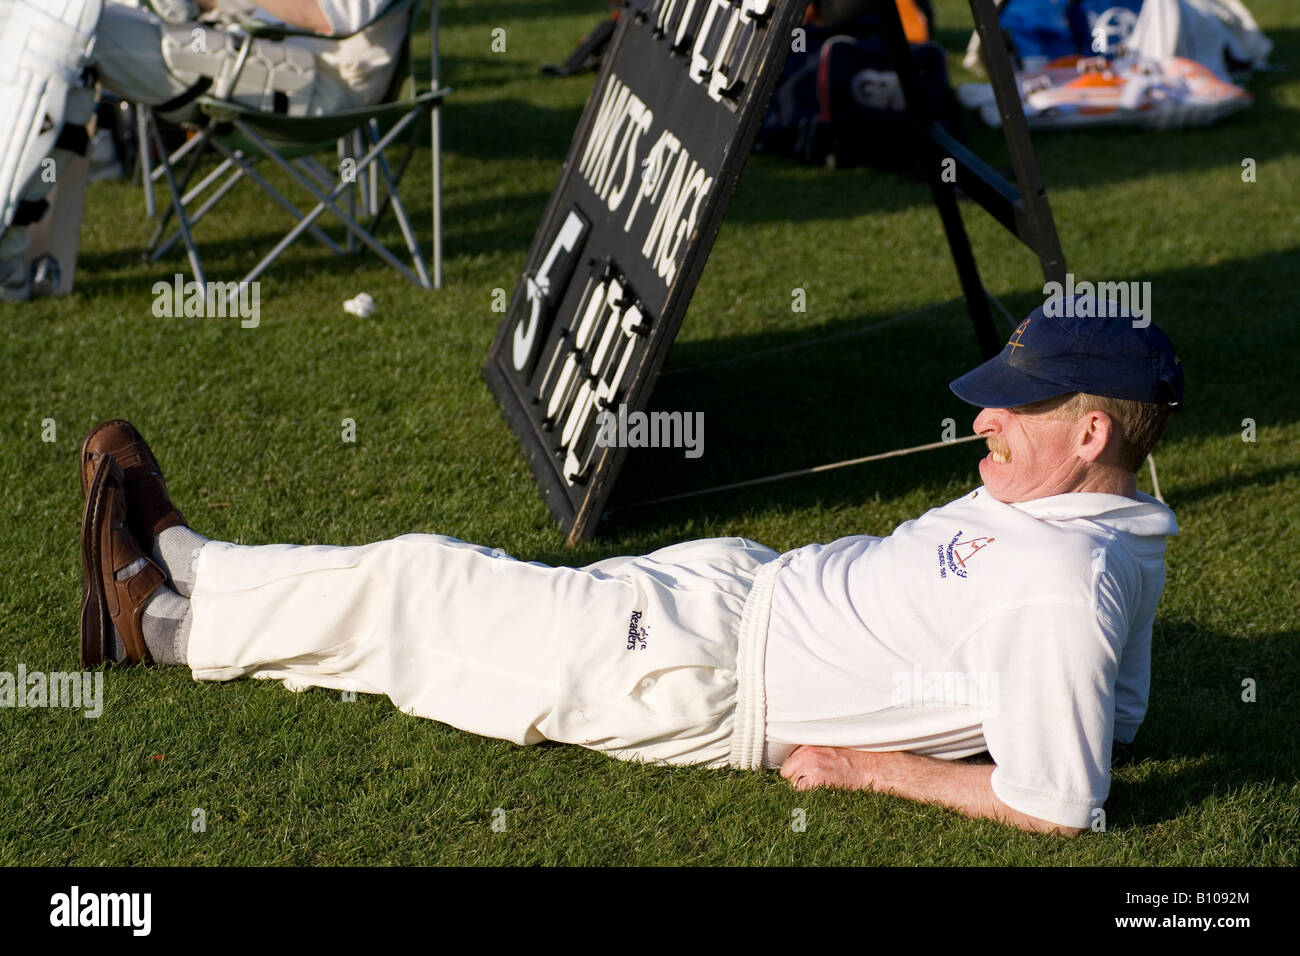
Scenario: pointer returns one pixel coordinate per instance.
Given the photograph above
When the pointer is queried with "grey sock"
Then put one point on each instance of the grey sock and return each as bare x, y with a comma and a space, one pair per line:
176, 550
166, 626
116, 650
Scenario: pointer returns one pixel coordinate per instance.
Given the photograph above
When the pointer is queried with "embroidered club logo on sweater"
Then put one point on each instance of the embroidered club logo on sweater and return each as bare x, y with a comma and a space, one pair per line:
956, 554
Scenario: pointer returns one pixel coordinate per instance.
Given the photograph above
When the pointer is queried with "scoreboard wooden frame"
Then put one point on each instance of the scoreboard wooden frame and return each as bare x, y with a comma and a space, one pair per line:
642, 194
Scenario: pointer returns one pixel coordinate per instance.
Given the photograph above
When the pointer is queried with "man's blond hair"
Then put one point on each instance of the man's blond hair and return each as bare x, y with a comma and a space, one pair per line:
1141, 423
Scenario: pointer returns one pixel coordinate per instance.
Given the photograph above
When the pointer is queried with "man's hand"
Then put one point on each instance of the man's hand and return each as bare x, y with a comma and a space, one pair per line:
964, 787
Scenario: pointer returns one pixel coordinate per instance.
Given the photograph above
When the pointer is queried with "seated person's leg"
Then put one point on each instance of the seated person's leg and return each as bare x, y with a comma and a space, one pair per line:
128, 58
169, 66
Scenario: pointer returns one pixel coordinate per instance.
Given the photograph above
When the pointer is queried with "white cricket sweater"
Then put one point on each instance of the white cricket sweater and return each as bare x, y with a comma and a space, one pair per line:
1022, 629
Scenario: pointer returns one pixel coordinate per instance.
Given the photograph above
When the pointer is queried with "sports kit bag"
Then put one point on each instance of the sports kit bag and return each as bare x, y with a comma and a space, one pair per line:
839, 102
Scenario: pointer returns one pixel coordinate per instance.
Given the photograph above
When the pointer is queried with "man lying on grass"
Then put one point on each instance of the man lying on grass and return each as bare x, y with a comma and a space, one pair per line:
1015, 619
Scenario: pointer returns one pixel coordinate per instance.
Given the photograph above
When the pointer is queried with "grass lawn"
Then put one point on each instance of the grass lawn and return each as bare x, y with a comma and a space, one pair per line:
247, 424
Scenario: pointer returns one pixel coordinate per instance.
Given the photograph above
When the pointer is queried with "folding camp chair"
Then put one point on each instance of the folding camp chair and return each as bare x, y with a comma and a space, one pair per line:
243, 136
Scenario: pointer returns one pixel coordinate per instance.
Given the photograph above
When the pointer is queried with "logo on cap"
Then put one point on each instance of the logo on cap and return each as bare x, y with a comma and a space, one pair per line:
1014, 342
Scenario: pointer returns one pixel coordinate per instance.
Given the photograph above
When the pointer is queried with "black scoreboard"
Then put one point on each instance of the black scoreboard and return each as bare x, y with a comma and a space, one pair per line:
641, 197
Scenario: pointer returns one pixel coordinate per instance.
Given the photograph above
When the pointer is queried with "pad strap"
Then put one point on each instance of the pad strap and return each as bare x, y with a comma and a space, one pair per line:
29, 211
74, 139
186, 97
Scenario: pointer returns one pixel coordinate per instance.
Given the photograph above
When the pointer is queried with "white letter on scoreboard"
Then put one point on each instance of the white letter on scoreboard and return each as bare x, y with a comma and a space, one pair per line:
719, 81
700, 64
539, 288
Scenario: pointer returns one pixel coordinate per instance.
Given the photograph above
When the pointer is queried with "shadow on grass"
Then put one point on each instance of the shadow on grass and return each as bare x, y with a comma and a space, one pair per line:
122, 272
475, 73
1202, 740
853, 396
1183, 496
499, 13
510, 129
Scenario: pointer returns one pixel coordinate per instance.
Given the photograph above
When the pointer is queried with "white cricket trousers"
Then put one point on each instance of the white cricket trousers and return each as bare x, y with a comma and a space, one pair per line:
656, 658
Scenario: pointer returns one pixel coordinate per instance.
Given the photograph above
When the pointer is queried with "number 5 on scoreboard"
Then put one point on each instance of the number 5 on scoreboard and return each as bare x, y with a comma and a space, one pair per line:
553, 273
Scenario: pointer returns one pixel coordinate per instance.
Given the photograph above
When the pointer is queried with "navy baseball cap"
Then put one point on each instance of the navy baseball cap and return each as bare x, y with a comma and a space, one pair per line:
1051, 354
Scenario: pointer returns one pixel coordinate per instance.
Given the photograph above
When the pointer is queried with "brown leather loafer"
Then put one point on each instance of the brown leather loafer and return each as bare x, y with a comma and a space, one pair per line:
107, 548
149, 509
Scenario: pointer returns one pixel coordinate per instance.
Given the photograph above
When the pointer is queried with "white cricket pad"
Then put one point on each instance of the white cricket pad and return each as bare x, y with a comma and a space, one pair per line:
42, 51
191, 51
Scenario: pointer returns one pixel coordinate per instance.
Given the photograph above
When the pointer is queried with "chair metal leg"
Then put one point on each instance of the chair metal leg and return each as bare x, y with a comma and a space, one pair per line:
247, 166
196, 263
181, 151
202, 211
204, 183
142, 122
165, 168
316, 171
402, 166
345, 153
435, 143
327, 201
374, 190
363, 187
412, 246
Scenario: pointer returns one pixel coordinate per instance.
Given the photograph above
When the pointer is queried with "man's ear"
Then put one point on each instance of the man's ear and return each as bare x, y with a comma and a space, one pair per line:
1099, 437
